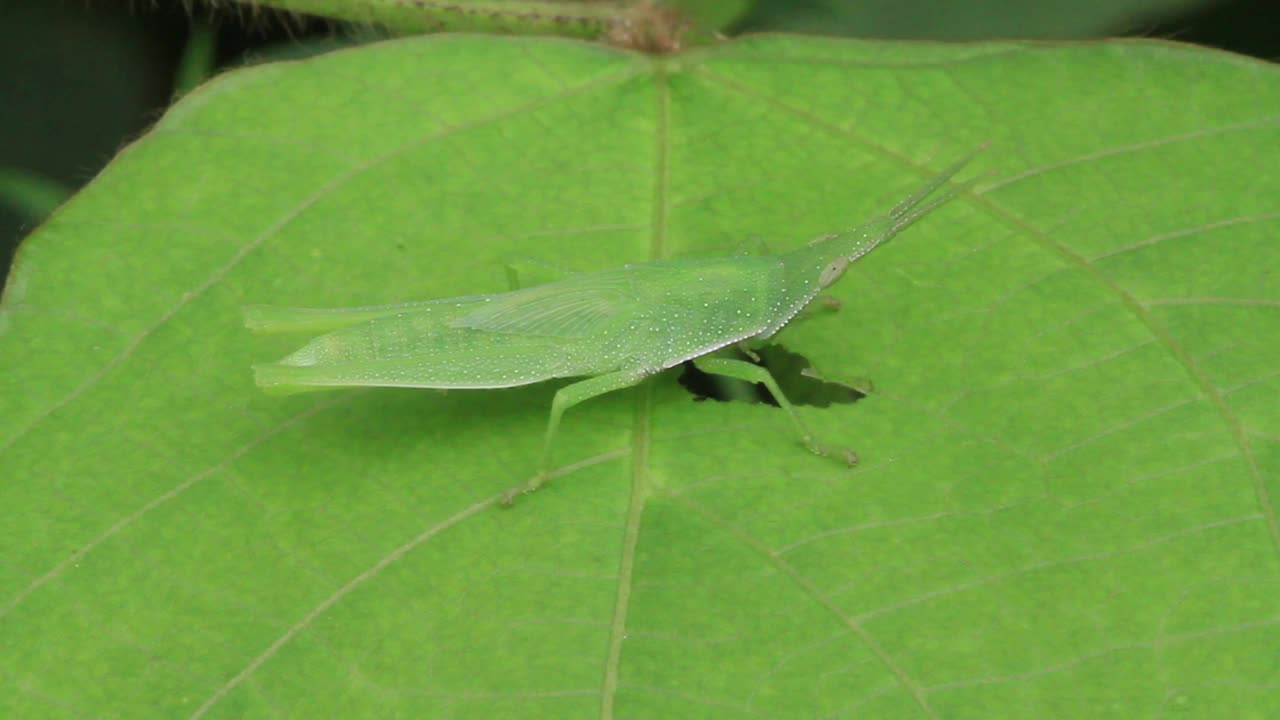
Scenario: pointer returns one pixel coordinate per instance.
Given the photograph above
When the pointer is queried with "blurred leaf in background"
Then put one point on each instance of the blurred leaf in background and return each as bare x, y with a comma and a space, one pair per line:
966, 19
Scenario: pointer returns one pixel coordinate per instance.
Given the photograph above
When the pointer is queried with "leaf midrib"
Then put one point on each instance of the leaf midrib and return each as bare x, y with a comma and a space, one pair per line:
642, 435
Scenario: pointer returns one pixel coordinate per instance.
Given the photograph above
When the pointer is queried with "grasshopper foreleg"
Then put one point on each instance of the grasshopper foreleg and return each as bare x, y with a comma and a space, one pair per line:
565, 398
743, 370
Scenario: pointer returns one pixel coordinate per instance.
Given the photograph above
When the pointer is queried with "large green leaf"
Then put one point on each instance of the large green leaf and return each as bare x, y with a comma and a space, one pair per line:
1067, 501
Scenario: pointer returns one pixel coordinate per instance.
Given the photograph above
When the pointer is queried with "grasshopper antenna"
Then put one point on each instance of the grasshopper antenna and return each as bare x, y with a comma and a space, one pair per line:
909, 210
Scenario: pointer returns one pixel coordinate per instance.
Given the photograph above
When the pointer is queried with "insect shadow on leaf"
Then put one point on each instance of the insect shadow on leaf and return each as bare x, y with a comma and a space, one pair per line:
793, 372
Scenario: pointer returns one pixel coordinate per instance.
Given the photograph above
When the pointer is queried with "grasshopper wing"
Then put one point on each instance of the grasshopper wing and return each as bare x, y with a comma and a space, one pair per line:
271, 319
424, 347
578, 306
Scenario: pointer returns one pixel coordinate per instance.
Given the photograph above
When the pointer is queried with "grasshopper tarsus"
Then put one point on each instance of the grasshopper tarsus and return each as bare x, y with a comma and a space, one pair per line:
532, 485
849, 457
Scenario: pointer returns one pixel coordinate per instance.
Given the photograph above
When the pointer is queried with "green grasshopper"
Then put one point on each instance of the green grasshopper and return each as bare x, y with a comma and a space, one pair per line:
615, 326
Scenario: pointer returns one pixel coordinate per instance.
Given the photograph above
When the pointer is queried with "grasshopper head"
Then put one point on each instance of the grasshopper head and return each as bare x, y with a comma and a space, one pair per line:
853, 246
832, 272
838, 250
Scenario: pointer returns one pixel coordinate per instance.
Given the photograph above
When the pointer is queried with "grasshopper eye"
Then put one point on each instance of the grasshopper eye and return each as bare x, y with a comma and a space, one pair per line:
832, 271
